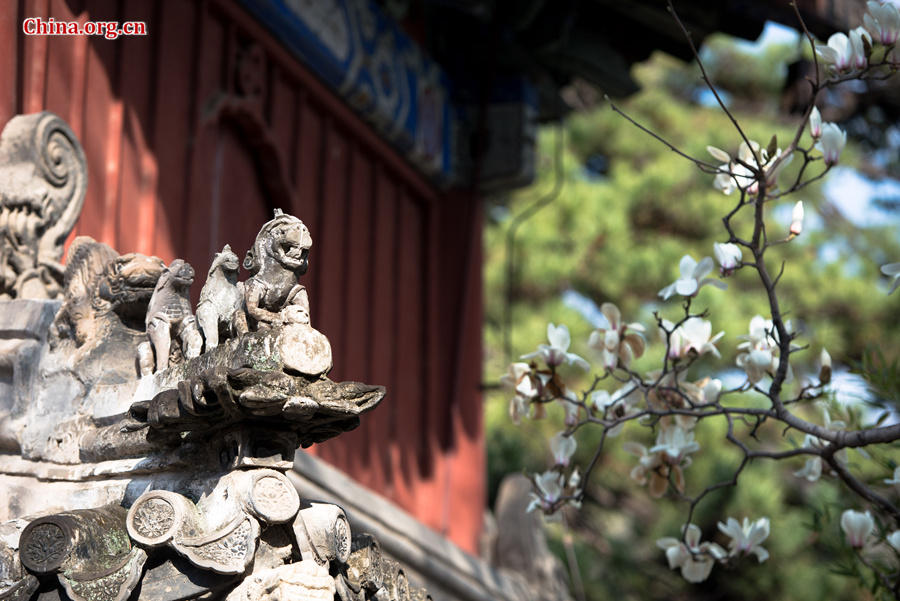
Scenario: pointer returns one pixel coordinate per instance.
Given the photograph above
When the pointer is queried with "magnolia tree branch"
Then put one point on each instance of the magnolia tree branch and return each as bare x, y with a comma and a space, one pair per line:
665, 401
709, 84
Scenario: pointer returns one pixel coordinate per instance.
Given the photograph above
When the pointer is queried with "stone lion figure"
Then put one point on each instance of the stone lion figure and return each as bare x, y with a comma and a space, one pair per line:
279, 256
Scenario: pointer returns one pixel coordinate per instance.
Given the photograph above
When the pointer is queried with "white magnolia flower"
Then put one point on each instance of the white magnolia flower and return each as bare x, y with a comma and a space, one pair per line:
563, 447
550, 489
695, 559
711, 388
893, 539
844, 53
757, 364
556, 353
815, 124
692, 336
729, 256
858, 59
831, 143
797, 218
520, 379
616, 406
761, 334
892, 270
759, 355
837, 52
747, 537
737, 173
896, 479
650, 468
676, 443
692, 278
518, 407
857, 527
883, 22
621, 342
719, 154
812, 470
572, 408
525, 385
574, 479
601, 399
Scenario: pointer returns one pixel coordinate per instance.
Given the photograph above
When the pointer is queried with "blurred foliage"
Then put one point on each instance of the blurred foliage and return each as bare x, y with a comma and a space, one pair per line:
747, 72
616, 234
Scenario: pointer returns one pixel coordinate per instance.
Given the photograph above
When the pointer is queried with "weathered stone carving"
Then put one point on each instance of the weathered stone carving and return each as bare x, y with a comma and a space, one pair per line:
279, 256
221, 530
170, 316
166, 482
395, 585
105, 298
43, 178
88, 549
15, 583
301, 581
209, 400
365, 565
323, 533
222, 300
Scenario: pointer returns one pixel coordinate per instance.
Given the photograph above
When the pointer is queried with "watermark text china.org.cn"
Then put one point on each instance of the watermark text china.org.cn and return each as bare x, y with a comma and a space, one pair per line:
108, 29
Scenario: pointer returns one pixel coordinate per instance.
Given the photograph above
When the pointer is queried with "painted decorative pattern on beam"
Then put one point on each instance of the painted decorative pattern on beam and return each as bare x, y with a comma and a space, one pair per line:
375, 67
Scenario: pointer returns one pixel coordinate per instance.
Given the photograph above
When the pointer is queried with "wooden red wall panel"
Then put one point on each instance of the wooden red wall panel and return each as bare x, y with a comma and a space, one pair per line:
10, 23
357, 299
134, 221
182, 159
102, 131
174, 101
206, 151
34, 60
383, 357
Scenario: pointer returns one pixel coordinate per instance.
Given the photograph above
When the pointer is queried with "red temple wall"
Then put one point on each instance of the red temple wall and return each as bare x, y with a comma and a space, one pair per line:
188, 148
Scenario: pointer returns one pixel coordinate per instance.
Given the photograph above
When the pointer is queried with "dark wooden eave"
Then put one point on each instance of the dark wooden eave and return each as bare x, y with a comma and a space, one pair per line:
554, 42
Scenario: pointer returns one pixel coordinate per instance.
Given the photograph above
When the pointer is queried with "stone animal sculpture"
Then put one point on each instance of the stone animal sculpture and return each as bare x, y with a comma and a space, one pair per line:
105, 299
169, 487
222, 299
279, 256
170, 313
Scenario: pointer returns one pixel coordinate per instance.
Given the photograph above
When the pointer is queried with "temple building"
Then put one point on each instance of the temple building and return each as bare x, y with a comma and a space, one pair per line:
380, 125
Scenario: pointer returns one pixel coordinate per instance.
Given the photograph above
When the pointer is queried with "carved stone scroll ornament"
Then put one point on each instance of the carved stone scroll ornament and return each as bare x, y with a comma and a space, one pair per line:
43, 178
88, 550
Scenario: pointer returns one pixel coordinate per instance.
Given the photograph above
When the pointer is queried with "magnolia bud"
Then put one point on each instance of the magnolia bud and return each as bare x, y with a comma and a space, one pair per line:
815, 124
797, 218
825, 367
